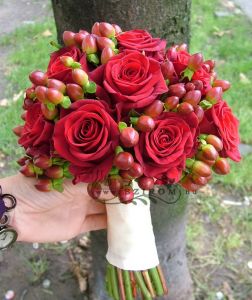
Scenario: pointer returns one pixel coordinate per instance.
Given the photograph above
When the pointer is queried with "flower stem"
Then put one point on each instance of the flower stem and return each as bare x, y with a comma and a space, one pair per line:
156, 281
162, 278
114, 282
142, 286
127, 285
121, 286
148, 283
133, 284
108, 282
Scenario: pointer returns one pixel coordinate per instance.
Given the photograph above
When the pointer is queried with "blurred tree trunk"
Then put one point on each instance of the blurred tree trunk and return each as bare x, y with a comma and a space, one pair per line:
169, 19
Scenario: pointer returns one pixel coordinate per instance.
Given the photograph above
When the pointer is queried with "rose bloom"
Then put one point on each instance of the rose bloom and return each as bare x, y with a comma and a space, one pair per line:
56, 68
163, 151
132, 80
219, 120
87, 137
142, 40
37, 132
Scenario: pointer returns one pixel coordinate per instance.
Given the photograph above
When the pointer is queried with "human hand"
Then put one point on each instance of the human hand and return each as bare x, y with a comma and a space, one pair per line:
52, 216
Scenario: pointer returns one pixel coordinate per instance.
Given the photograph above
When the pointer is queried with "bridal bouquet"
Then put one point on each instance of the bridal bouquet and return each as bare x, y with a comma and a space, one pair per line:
117, 110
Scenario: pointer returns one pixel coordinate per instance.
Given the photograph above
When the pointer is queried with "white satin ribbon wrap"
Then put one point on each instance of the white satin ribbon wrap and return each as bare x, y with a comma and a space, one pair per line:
131, 241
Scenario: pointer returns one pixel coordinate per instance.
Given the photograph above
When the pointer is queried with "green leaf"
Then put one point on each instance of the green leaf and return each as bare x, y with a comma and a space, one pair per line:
114, 171
55, 44
93, 58
90, 88
133, 120
75, 65
205, 104
118, 150
37, 170
114, 40
66, 103
58, 184
189, 162
116, 51
187, 73
50, 106
58, 161
122, 125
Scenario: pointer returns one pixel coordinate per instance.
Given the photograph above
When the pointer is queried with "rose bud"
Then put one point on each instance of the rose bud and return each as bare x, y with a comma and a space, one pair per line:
199, 156
79, 37
49, 114
195, 61
44, 185
168, 71
18, 130
211, 63
40, 92
200, 168
199, 180
199, 111
182, 47
177, 89
104, 42
136, 170
94, 190
75, 92
96, 29
27, 103
145, 123
224, 84
54, 172
118, 29
171, 102
215, 141
185, 108
68, 38
89, 44
23, 160
27, 170
209, 152
57, 85
115, 183
42, 162
106, 54
129, 137
221, 166
214, 95
188, 184
126, 194
54, 96
146, 183
80, 77
123, 161
198, 84
38, 78
155, 109
107, 30
189, 86
192, 97
30, 93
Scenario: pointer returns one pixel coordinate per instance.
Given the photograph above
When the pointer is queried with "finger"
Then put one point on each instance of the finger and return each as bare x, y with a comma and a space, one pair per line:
96, 207
94, 222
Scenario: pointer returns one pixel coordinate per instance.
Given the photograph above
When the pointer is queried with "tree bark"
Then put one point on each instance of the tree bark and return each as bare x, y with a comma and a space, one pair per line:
168, 19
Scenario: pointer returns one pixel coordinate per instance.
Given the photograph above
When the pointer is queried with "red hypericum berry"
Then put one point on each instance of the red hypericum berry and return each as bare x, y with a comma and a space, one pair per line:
30, 93
44, 185
214, 95
80, 77
129, 137
126, 194
199, 111
40, 92
104, 42
96, 29
18, 130
224, 84
38, 78
198, 84
199, 156
171, 102
27, 170
177, 89
54, 172
209, 152
123, 161
23, 160
57, 85
206, 67
107, 30
127, 178
67, 61
79, 37
106, 54
155, 109
195, 61
75, 92
115, 183
213, 75
185, 108
117, 28
145, 123
189, 185
49, 114
189, 86
136, 170
221, 166
68, 38
168, 72
54, 96
211, 63
89, 44
146, 183
42, 162
199, 179
215, 141
94, 190
192, 97
23, 115
182, 47
200, 168
27, 103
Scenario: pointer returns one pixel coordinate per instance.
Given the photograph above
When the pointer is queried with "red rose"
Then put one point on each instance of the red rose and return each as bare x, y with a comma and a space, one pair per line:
205, 77
87, 138
142, 40
163, 151
57, 70
180, 59
132, 79
37, 132
219, 120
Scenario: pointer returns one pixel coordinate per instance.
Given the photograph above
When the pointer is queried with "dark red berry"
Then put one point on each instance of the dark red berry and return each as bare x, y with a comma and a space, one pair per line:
209, 152
68, 38
145, 123
44, 185
126, 194
129, 137
171, 102
146, 183
215, 141
136, 170
189, 86
123, 161
54, 172
192, 97
94, 190
185, 108
199, 111
38, 78
57, 84
42, 161
224, 84
155, 109
75, 92
115, 183
200, 168
221, 166
177, 89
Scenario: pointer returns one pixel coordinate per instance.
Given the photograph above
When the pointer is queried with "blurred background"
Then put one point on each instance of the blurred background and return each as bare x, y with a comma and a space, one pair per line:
219, 240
